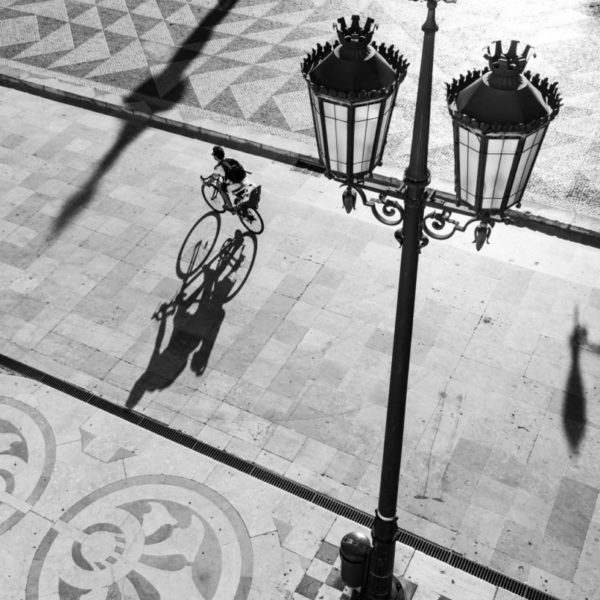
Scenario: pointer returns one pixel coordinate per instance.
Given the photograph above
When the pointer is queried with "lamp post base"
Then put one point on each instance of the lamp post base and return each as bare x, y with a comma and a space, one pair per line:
396, 593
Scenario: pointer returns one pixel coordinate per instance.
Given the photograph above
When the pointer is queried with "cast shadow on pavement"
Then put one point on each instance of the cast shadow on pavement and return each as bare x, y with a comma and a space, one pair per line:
574, 402
173, 76
196, 314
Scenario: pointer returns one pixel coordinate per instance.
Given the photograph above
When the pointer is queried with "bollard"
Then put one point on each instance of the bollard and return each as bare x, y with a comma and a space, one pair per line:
354, 553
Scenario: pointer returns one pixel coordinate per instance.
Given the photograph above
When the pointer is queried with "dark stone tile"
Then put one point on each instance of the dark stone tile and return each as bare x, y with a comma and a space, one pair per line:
334, 580
290, 332
277, 304
460, 482
505, 468
291, 287
15, 255
381, 340
470, 455
12, 140
308, 587
519, 542
558, 559
572, 512
327, 553
27, 308
510, 566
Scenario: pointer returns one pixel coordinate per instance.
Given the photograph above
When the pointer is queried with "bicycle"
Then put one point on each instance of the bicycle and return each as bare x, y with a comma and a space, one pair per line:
244, 205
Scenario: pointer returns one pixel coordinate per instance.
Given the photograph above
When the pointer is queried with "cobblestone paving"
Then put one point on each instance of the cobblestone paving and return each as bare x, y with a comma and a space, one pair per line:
237, 62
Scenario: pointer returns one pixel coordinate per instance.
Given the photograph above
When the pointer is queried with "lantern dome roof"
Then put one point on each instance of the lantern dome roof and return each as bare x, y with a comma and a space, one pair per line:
502, 97
353, 66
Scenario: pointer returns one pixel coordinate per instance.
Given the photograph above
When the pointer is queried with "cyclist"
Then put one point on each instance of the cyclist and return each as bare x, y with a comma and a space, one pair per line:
231, 174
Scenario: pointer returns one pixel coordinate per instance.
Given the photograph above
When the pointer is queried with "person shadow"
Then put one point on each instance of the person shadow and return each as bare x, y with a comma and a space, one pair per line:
172, 77
196, 320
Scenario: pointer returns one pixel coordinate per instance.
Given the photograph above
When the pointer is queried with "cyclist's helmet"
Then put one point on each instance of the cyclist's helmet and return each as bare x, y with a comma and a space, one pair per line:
218, 152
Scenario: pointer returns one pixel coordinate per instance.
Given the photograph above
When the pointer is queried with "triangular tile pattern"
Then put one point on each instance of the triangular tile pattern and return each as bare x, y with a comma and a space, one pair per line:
123, 26
159, 34
20, 30
295, 109
60, 40
245, 64
255, 45
131, 57
183, 16
93, 49
252, 94
208, 87
54, 9
90, 18
114, 5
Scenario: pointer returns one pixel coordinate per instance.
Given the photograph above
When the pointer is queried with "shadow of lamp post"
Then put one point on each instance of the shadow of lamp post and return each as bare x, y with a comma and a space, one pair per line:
499, 116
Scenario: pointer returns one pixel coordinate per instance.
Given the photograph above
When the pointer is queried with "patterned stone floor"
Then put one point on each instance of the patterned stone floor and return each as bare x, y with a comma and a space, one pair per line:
236, 63
283, 357
92, 507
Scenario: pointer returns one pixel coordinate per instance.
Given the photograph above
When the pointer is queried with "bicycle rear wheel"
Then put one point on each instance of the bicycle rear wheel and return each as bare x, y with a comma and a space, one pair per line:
251, 219
212, 197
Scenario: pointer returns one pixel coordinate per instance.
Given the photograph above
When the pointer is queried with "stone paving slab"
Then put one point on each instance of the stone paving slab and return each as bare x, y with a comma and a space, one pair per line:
502, 424
95, 507
231, 68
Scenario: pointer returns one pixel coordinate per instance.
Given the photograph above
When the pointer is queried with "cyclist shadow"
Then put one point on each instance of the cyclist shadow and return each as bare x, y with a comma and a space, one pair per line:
196, 314
173, 78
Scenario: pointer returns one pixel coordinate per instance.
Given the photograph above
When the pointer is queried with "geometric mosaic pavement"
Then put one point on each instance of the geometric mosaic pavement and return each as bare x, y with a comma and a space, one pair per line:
237, 61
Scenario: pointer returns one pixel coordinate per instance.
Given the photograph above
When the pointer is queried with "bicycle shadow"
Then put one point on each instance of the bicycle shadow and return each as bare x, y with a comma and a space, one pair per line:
173, 76
196, 314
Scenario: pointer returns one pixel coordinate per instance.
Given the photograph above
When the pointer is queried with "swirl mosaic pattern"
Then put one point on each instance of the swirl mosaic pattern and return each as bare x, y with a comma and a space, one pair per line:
27, 457
149, 537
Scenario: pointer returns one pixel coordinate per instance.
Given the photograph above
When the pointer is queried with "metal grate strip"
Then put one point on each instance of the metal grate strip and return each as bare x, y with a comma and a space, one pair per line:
331, 504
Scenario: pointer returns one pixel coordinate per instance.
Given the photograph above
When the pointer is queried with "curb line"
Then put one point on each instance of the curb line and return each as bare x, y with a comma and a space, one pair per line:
63, 91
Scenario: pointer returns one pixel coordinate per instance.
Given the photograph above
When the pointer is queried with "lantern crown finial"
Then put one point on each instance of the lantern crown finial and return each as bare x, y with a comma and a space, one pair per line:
355, 39
506, 67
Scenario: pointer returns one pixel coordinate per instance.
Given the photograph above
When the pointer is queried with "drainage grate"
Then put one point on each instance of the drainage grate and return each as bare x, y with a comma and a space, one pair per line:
301, 491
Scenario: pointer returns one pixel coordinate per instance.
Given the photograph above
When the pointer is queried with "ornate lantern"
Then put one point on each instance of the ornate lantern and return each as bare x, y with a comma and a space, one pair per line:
500, 117
352, 87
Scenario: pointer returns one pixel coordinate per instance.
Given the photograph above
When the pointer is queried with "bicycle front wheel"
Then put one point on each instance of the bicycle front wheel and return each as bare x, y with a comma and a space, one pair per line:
212, 197
197, 246
251, 219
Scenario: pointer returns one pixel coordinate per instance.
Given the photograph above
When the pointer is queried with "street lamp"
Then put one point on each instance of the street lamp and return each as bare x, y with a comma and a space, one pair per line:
500, 116
352, 89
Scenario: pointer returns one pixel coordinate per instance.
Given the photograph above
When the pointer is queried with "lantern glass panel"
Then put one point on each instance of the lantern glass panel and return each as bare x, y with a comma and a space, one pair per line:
366, 118
336, 127
469, 145
498, 164
318, 126
531, 148
387, 113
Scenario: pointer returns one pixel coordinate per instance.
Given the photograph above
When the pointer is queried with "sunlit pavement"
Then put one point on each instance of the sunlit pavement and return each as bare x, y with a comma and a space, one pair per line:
285, 362
280, 354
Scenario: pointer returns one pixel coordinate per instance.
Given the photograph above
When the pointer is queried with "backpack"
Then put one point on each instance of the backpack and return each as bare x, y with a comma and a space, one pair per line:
233, 170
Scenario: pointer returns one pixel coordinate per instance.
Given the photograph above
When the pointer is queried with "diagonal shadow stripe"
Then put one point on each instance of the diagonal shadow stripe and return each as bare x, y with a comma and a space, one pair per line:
173, 71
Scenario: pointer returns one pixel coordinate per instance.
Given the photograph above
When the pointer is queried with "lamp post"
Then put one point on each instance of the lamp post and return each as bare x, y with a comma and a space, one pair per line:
500, 116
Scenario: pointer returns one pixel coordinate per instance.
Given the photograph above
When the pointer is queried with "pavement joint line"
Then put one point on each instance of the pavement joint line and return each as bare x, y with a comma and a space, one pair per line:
525, 219
445, 555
